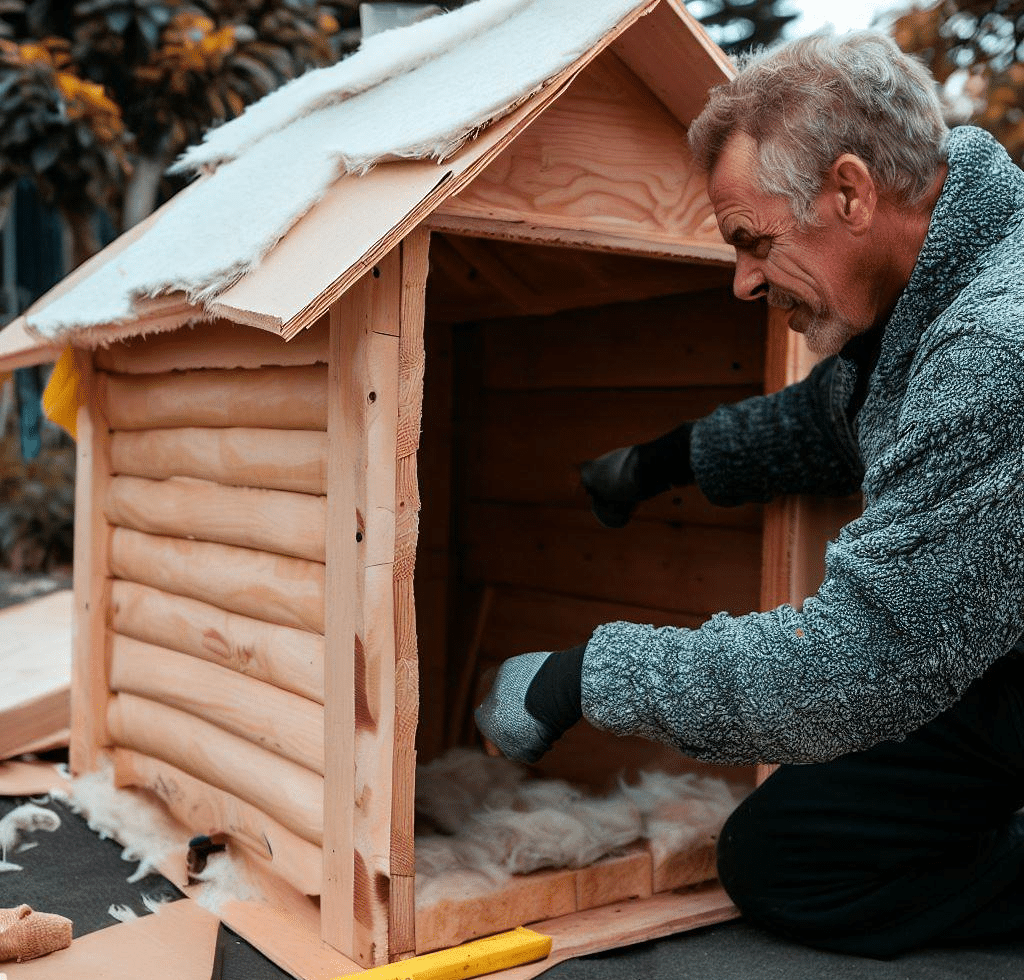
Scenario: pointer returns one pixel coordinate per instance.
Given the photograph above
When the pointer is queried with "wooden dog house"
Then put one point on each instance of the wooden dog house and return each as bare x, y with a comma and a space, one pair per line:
313, 508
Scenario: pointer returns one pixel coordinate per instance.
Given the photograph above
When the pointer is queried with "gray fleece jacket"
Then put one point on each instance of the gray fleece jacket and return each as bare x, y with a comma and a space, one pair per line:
926, 589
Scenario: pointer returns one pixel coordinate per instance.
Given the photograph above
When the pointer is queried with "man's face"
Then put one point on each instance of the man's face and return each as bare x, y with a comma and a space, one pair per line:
810, 272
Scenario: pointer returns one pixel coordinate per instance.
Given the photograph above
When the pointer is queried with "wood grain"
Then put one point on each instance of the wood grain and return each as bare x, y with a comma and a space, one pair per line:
608, 158
216, 344
273, 588
91, 574
290, 659
204, 809
689, 569
271, 459
271, 398
274, 521
284, 790
276, 720
525, 899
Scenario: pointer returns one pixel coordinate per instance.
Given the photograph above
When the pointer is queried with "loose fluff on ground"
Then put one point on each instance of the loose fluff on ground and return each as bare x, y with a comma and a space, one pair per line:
22, 820
150, 836
480, 820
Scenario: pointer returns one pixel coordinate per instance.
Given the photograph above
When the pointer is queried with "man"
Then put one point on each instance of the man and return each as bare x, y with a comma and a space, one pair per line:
897, 248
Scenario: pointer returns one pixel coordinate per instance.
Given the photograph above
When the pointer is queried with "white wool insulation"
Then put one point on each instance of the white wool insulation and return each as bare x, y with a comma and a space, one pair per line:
414, 92
480, 820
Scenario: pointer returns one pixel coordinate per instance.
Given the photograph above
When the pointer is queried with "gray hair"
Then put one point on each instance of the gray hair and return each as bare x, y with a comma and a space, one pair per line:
809, 101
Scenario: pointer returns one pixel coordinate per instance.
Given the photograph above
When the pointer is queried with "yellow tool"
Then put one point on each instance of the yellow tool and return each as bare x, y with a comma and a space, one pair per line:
469, 960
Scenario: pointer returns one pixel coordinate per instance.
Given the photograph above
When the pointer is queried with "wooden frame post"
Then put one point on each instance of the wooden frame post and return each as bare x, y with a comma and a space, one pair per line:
359, 671
411, 356
89, 688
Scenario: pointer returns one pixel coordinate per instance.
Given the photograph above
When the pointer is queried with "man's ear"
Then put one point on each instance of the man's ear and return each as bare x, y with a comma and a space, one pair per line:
852, 192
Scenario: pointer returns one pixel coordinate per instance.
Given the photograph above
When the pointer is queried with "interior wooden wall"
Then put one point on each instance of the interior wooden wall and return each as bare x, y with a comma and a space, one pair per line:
514, 403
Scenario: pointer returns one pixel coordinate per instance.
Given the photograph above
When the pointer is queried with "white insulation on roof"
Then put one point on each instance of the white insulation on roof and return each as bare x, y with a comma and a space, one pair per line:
415, 92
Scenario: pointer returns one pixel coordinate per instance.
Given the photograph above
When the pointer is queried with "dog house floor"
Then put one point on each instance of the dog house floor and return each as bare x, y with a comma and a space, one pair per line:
74, 873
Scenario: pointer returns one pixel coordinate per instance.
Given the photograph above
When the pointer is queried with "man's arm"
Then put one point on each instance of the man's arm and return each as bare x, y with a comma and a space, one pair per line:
922, 593
797, 440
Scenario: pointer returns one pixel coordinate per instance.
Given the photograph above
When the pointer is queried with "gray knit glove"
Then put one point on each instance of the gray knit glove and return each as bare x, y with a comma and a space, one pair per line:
503, 719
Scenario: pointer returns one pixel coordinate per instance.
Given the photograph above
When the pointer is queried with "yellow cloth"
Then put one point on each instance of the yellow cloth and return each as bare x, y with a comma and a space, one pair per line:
60, 399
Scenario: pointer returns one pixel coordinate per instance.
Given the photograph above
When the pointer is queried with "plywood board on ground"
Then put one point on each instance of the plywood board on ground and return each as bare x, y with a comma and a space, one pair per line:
35, 665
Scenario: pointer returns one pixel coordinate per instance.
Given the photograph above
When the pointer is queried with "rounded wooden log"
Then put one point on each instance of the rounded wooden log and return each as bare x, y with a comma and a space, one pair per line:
273, 588
288, 658
271, 398
277, 720
281, 788
219, 344
204, 809
275, 521
271, 459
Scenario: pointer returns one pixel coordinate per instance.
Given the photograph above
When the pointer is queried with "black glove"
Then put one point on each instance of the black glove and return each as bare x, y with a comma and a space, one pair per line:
535, 699
618, 481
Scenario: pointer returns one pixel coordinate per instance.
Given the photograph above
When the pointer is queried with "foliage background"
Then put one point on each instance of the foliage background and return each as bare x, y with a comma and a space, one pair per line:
98, 97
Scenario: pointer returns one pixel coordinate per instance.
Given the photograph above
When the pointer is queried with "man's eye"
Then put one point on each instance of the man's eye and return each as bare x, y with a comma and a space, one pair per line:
761, 247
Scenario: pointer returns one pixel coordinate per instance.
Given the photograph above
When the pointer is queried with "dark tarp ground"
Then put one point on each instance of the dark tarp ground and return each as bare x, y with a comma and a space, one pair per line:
74, 873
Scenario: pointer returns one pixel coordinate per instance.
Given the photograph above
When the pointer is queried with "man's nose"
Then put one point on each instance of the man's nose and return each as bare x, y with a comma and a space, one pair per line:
748, 281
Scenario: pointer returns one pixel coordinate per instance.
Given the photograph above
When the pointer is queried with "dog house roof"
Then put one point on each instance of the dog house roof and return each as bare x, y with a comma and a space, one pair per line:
300, 195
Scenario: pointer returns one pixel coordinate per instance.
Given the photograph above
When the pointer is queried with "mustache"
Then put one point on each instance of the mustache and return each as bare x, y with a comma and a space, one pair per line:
780, 299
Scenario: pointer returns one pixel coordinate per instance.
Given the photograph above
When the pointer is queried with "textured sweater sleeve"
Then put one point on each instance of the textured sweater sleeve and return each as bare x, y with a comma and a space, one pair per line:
921, 594
796, 440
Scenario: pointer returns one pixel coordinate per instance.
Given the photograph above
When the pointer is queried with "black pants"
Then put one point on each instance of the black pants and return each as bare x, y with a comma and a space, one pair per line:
907, 844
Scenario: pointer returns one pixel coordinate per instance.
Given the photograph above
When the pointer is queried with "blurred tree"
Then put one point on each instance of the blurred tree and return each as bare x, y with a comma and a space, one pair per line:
975, 48
97, 97
736, 25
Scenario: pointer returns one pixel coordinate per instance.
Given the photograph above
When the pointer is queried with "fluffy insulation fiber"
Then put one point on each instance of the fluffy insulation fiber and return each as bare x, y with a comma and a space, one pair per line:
481, 820
415, 92
152, 838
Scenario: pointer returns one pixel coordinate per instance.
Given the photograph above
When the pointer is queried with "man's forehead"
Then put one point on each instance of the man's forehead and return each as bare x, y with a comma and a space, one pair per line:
735, 169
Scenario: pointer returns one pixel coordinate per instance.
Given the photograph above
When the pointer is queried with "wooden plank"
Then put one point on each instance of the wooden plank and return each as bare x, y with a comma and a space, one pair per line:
284, 925
291, 659
665, 342
607, 158
272, 588
558, 279
217, 344
525, 899
271, 459
204, 809
431, 469
405, 708
379, 310
505, 460
691, 569
346, 480
275, 521
91, 575
507, 229
625, 923
299, 280
19, 349
614, 879
35, 663
283, 789
669, 45
692, 867
271, 398
31, 778
279, 721
182, 933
